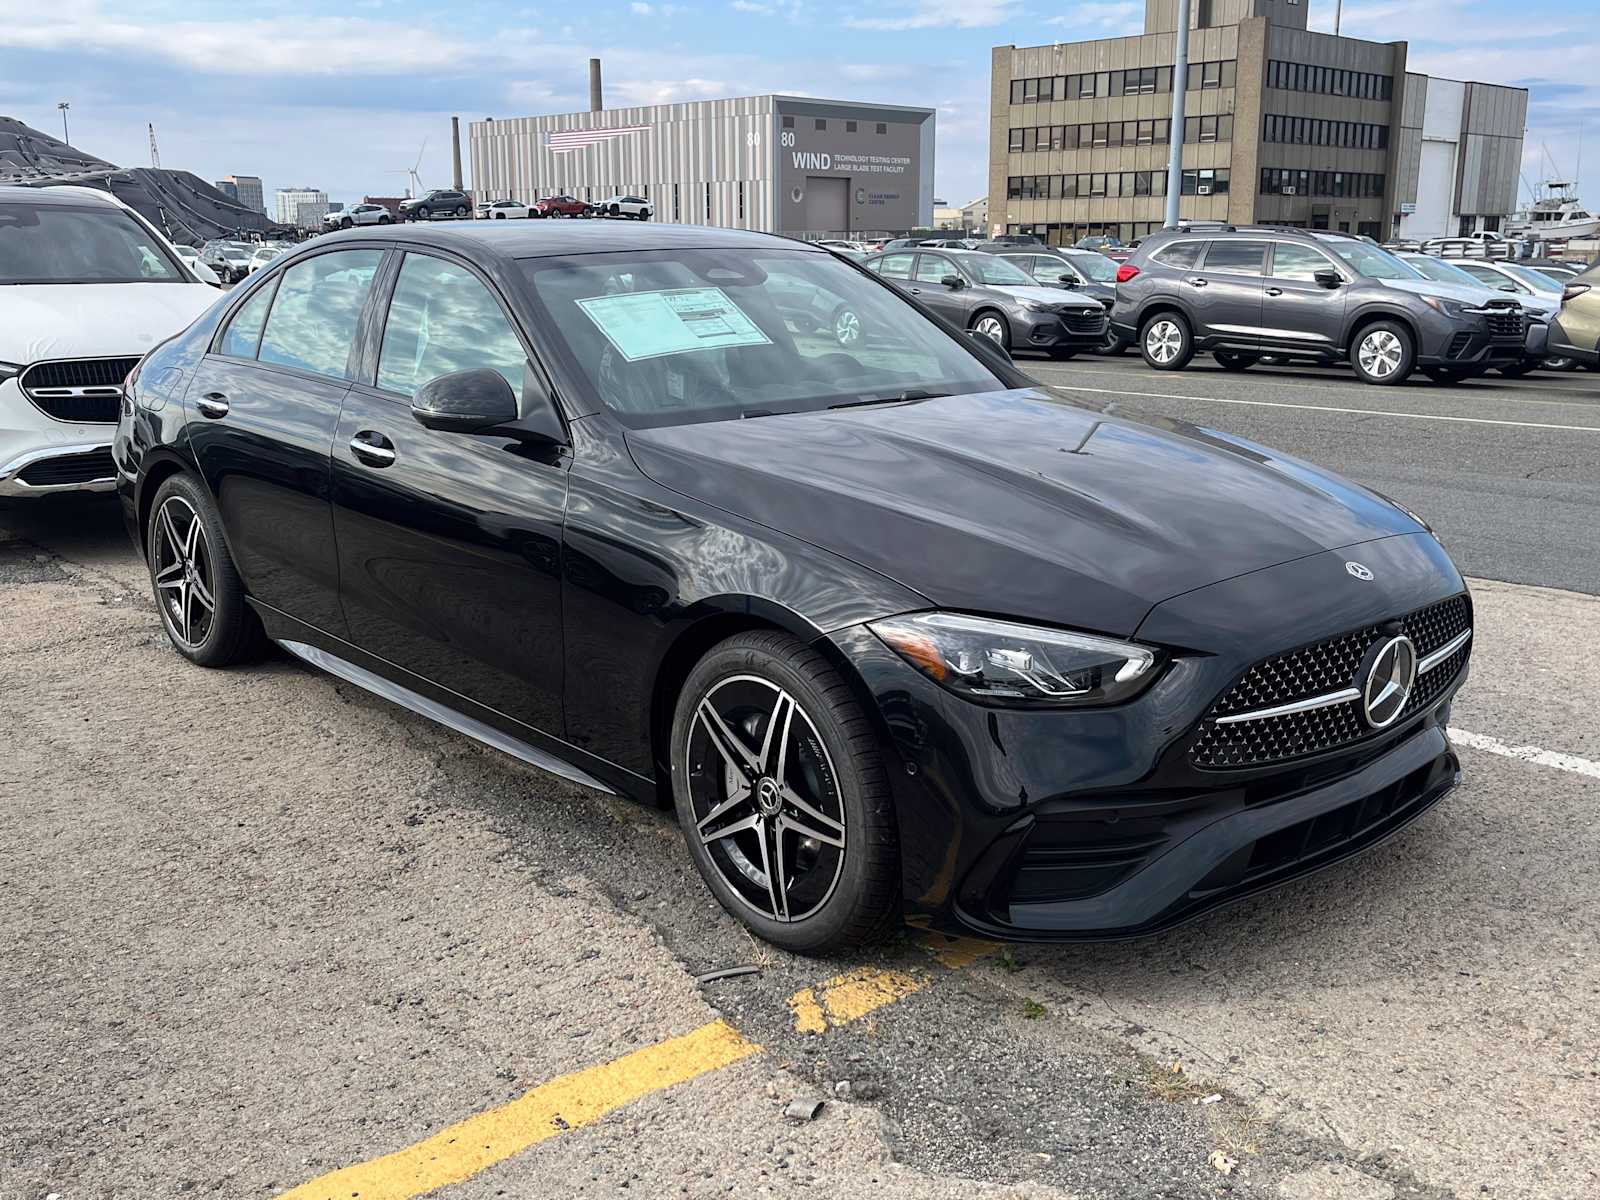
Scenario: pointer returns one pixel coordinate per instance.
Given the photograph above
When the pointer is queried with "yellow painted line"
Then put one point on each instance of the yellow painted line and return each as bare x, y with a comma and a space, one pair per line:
958, 952
849, 997
477, 1143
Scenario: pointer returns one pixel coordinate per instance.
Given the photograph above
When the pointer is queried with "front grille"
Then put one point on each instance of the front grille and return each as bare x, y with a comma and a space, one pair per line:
1320, 669
77, 389
1506, 326
69, 468
1085, 322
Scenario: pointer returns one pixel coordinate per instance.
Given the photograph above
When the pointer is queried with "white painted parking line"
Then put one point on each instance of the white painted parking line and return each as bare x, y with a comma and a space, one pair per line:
1532, 754
1362, 412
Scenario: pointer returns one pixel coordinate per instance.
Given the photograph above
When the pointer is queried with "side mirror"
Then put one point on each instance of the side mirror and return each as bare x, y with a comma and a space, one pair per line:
481, 401
989, 348
1070, 281
1508, 287
1328, 279
954, 282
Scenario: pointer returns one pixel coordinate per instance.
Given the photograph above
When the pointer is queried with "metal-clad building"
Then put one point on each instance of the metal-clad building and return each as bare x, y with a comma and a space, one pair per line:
1460, 154
781, 164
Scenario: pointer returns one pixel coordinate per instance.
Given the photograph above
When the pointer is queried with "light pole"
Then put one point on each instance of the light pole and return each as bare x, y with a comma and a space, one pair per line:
63, 106
1180, 86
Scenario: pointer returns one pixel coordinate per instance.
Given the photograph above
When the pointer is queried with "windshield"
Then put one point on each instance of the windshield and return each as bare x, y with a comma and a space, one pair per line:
1535, 280
54, 243
1096, 266
1441, 272
671, 337
1372, 262
994, 270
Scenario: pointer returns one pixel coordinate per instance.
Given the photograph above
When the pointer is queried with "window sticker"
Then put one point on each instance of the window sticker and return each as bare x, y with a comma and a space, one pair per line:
676, 321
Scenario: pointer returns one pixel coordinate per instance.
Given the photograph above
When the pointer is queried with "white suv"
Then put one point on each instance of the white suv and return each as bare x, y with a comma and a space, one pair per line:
87, 286
625, 206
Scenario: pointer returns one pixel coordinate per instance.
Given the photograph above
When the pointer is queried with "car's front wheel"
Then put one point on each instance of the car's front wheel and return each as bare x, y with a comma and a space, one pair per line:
782, 796
197, 588
346, 223
422, 214
992, 325
1384, 353
1167, 342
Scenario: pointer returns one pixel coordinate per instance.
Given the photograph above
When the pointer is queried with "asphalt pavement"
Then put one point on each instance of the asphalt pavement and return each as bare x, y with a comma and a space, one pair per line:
263, 934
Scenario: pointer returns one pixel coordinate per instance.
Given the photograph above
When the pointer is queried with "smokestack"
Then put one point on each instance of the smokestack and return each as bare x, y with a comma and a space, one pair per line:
455, 153
595, 104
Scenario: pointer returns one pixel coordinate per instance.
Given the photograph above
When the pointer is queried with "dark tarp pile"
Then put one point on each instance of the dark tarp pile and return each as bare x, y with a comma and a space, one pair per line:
184, 206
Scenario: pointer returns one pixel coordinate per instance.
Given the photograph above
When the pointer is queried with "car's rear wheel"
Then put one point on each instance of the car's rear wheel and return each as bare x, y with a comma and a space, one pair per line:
1559, 362
198, 591
782, 795
385, 220
1228, 360
1167, 342
1384, 353
992, 325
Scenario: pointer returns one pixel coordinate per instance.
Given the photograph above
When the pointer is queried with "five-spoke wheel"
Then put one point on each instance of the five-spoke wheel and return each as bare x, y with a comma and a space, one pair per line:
198, 591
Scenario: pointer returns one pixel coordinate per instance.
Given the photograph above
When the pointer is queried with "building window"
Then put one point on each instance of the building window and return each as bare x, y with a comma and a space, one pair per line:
883, 127
821, 125
677, 209
710, 217
788, 122
741, 202
849, 126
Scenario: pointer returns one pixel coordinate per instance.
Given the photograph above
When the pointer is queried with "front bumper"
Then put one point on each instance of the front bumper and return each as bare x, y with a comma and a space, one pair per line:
40, 456
1474, 340
1083, 330
1091, 824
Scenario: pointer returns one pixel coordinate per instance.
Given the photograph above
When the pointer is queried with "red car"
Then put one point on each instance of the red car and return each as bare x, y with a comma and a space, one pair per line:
561, 206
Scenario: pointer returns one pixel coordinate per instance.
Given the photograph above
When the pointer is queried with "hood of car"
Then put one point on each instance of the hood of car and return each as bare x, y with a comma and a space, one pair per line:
1449, 291
94, 320
1041, 294
1021, 503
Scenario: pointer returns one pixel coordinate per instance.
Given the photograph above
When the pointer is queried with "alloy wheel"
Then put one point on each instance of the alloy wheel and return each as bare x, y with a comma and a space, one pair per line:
765, 798
847, 328
1380, 354
1163, 341
991, 328
184, 572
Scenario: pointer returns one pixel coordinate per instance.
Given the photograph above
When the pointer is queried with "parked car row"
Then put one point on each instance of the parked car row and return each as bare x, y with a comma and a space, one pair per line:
449, 203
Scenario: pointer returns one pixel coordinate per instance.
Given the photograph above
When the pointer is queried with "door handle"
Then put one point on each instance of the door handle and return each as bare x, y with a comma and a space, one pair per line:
916, 291
213, 405
1274, 291
372, 448
1196, 281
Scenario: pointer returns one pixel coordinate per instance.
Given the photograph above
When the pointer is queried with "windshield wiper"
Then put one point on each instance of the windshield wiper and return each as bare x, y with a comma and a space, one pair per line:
904, 397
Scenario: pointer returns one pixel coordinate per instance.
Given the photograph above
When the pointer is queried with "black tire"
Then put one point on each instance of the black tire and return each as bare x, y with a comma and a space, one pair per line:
461, 210
422, 214
1450, 374
386, 220
855, 895
346, 223
1229, 360
1383, 353
615, 210
1166, 341
1063, 355
1114, 346
1516, 370
992, 324
231, 632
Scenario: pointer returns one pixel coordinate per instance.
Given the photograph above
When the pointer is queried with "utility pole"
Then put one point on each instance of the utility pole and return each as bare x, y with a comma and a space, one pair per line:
63, 106
1180, 88
1338, 16
155, 155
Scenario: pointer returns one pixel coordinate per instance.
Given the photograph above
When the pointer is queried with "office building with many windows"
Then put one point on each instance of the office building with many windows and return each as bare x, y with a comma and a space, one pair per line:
246, 189
300, 207
782, 164
1283, 126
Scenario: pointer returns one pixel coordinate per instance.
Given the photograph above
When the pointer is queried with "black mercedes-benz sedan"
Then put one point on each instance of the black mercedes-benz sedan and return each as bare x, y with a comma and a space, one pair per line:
899, 633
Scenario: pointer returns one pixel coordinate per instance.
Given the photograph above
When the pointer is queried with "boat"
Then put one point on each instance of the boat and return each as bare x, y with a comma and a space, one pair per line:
1555, 215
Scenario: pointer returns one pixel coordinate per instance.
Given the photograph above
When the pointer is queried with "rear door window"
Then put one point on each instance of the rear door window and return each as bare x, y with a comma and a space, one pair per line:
1181, 255
895, 266
1237, 258
313, 321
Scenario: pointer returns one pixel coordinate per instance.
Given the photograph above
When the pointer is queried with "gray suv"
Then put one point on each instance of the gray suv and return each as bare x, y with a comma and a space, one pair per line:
995, 299
1245, 293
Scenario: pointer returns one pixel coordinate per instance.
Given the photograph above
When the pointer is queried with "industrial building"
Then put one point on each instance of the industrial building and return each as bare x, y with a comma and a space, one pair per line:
1283, 126
780, 164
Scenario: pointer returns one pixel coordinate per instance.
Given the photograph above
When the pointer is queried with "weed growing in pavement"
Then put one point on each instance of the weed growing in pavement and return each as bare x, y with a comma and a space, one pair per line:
1173, 1084
1032, 1010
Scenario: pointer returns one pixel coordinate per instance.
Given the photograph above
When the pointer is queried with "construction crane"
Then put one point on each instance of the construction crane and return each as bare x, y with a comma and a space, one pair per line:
155, 155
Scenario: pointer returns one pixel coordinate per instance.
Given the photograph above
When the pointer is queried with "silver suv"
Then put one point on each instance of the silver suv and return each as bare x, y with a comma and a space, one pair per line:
1243, 293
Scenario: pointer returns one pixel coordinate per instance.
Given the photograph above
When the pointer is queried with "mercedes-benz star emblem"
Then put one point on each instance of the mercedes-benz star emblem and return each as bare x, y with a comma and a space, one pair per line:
1390, 676
1358, 570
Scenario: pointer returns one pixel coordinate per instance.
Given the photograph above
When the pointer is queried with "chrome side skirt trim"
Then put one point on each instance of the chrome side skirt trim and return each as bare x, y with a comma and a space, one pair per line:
443, 714
1444, 652
1345, 695
1283, 710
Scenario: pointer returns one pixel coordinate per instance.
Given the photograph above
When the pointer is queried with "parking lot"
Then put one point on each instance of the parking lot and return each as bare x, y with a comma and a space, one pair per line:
265, 934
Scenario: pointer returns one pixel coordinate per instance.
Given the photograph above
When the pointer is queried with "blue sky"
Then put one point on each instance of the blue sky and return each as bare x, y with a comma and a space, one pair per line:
340, 94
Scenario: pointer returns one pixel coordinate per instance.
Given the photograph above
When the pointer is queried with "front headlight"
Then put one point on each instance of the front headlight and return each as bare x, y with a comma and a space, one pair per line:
1035, 306
1450, 308
999, 662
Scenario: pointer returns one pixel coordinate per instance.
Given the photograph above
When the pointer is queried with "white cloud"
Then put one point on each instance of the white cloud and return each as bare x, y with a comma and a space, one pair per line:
643, 10
940, 14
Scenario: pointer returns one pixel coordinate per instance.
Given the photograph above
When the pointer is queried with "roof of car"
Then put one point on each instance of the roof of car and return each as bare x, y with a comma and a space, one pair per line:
541, 239
65, 194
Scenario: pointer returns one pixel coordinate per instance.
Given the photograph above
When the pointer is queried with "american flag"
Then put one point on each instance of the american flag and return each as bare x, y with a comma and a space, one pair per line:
565, 141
